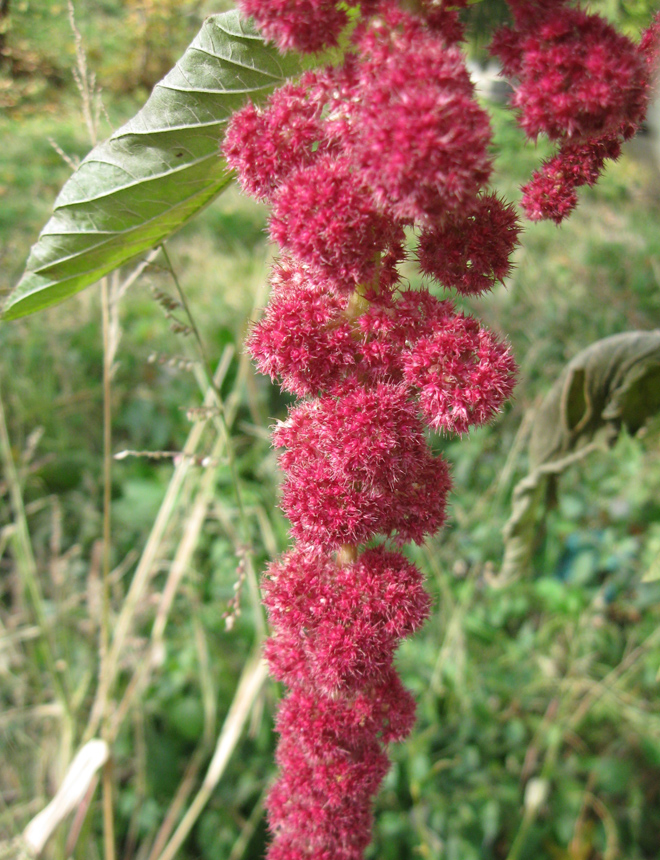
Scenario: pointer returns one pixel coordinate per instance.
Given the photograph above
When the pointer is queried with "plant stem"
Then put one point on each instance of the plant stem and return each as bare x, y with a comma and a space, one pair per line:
106, 680
229, 449
27, 566
247, 832
180, 564
521, 836
347, 554
148, 558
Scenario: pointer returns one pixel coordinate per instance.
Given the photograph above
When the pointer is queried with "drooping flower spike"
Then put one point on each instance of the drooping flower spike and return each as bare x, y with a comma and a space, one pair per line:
579, 82
351, 157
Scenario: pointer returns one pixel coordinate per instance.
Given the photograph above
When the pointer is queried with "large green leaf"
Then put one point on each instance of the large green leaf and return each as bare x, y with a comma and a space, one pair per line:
154, 173
614, 383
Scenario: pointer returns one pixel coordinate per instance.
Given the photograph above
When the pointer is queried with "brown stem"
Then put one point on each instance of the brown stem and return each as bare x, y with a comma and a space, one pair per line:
347, 554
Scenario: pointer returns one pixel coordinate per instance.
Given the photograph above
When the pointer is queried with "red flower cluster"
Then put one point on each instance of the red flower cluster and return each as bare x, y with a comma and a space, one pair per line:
407, 342
301, 25
357, 465
350, 157
273, 143
335, 624
327, 221
463, 374
471, 251
304, 338
579, 82
411, 92
336, 628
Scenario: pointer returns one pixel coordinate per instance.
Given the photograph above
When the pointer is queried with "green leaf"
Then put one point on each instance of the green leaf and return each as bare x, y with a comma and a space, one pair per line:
614, 383
153, 174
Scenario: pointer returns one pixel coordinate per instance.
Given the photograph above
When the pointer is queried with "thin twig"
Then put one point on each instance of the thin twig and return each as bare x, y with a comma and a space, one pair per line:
108, 355
85, 81
187, 784
178, 568
135, 273
70, 162
240, 846
27, 566
140, 781
183, 792
146, 564
221, 418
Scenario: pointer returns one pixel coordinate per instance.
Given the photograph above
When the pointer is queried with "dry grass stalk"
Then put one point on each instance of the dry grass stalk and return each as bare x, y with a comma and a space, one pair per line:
72, 791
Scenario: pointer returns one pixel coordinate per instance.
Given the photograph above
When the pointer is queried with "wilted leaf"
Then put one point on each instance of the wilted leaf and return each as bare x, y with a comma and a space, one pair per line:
154, 173
614, 383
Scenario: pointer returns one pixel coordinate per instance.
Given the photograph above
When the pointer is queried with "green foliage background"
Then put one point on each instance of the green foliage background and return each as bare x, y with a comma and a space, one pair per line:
551, 679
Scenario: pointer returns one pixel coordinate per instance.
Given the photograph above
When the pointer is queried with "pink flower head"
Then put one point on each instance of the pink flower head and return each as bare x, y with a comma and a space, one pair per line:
325, 217
649, 47
463, 374
443, 19
420, 139
471, 252
360, 764
530, 14
299, 25
546, 195
338, 775
332, 760
440, 17
358, 465
403, 318
383, 709
304, 337
306, 827
551, 191
313, 341
346, 621
264, 145
391, 324
579, 78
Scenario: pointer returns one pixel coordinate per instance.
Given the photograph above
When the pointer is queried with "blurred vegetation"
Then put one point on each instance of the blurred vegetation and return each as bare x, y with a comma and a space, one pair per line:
539, 720
130, 43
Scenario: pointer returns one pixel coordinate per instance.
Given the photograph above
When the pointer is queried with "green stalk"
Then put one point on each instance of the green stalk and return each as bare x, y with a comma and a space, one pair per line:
104, 643
27, 568
229, 450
